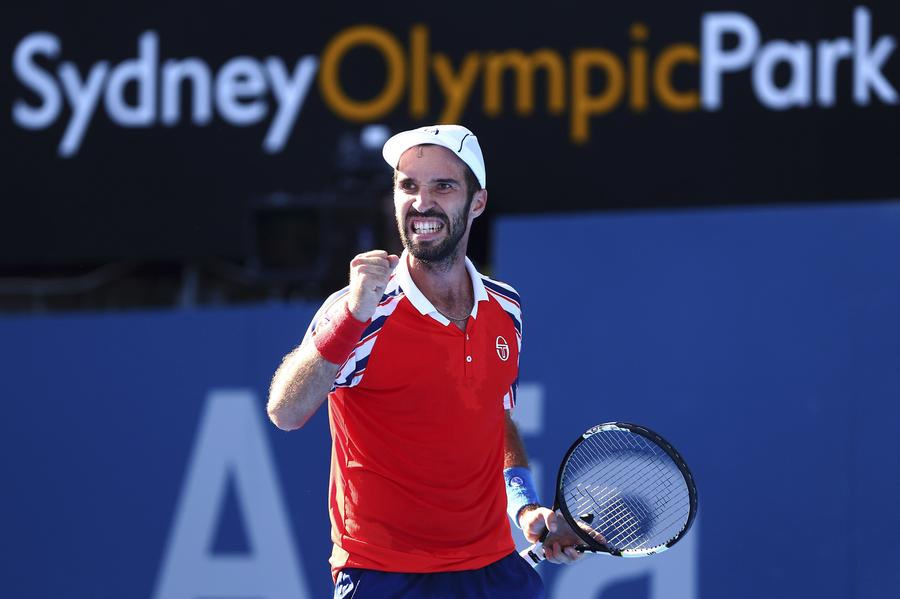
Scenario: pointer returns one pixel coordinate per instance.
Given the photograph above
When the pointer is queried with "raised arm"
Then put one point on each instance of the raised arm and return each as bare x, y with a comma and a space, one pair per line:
300, 386
306, 375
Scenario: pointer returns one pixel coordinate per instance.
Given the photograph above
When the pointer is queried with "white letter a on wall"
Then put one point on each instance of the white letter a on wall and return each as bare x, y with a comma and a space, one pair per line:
231, 442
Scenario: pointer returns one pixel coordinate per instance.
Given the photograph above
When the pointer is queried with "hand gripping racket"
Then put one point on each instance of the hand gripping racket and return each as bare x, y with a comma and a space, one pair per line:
625, 491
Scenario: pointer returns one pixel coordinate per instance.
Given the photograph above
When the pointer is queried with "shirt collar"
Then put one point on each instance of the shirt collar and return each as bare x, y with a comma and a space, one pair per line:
423, 304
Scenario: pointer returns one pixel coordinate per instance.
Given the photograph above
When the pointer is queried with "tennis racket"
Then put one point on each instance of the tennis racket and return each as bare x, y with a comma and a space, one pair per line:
625, 492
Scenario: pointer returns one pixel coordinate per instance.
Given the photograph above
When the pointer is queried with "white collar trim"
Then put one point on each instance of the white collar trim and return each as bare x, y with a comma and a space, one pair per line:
423, 304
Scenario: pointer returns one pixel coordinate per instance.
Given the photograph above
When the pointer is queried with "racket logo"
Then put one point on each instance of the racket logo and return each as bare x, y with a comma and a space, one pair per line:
502, 348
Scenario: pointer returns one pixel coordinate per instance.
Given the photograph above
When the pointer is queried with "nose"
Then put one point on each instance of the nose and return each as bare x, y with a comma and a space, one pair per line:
423, 200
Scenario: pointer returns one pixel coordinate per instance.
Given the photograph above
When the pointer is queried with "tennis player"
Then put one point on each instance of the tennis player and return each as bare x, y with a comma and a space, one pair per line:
418, 357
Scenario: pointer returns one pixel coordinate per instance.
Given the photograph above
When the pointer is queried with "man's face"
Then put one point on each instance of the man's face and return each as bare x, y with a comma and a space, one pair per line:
432, 204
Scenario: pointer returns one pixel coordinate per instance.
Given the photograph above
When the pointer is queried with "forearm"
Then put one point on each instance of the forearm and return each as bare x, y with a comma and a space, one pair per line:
514, 453
520, 492
300, 385
306, 375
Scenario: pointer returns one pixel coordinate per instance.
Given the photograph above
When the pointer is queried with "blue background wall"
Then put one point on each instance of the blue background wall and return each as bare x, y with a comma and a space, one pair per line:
764, 343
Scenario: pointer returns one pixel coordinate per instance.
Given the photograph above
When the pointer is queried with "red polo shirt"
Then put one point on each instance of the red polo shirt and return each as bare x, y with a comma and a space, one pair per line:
417, 422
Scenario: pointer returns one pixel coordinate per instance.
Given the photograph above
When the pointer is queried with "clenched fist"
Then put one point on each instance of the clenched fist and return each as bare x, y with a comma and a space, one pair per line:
369, 274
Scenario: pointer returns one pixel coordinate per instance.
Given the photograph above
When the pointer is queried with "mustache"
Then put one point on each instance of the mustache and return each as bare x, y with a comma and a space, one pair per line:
432, 213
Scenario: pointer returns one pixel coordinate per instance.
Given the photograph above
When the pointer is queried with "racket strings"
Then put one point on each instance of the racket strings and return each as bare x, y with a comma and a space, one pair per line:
639, 475
650, 468
639, 515
649, 455
635, 495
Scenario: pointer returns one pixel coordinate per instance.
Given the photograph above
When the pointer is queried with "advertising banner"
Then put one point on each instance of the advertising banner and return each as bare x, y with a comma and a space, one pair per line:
154, 129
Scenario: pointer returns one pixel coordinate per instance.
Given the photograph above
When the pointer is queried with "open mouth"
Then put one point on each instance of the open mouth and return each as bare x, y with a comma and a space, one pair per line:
421, 226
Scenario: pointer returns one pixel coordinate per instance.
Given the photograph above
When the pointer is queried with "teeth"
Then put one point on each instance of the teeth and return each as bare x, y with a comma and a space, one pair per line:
427, 227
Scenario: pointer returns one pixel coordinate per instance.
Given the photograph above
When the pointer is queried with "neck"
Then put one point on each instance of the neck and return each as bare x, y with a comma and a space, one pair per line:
446, 285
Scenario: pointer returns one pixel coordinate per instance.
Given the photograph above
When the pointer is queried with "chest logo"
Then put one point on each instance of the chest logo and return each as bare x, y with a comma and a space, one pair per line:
502, 348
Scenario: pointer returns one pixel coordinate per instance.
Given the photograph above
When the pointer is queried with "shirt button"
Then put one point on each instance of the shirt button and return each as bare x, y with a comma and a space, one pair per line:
468, 358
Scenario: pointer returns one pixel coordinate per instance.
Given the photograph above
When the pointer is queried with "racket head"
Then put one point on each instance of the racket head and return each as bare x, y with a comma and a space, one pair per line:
626, 491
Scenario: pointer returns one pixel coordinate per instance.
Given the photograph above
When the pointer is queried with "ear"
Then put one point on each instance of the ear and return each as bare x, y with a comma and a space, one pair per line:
479, 203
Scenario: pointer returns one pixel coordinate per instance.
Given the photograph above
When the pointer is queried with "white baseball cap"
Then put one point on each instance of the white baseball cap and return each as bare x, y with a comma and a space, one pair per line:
455, 138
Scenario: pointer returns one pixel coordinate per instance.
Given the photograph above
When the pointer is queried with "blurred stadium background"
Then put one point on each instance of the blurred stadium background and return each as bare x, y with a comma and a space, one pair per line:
699, 202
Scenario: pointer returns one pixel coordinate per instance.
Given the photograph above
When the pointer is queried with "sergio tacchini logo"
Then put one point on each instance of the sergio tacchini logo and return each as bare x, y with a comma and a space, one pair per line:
502, 348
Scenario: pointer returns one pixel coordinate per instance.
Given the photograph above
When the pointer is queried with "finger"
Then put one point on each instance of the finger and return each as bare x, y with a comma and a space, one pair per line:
548, 553
394, 260
572, 554
564, 555
532, 532
380, 262
536, 528
533, 525
550, 521
376, 270
379, 255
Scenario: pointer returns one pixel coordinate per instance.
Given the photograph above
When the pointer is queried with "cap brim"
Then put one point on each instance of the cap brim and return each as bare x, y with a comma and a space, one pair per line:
400, 143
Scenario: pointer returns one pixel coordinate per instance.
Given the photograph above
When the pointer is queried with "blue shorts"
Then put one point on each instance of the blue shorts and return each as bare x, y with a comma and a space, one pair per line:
509, 578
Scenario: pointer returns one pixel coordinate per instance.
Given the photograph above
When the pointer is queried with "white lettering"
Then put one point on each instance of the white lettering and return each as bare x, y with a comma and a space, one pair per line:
231, 440
828, 54
239, 86
37, 80
715, 60
240, 93
142, 71
290, 95
798, 91
174, 72
83, 98
868, 61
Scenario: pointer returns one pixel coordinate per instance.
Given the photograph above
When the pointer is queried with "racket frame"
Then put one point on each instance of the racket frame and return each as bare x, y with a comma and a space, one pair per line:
592, 545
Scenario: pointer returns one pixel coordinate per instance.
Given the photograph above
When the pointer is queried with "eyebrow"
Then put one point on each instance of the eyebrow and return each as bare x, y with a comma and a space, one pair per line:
402, 178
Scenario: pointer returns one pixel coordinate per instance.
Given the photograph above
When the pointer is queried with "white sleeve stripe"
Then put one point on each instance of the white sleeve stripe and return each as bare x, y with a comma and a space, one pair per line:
350, 373
326, 305
514, 311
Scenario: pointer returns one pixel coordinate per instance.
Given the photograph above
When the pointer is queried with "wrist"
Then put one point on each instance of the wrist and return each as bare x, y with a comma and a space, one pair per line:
355, 310
337, 333
520, 492
528, 507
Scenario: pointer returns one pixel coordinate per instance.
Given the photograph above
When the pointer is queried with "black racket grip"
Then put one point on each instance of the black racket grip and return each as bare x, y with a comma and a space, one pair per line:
531, 554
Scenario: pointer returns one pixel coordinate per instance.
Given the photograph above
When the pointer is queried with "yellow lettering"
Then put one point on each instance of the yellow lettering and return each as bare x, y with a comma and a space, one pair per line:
418, 61
638, 69
456, 89
498, 62
662, 77
583, 103
329, 73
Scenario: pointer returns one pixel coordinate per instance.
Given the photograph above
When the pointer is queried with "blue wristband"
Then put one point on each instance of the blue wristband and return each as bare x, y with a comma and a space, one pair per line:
520, 491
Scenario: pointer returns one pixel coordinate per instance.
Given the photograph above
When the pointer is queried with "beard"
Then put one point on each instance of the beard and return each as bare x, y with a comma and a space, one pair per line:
443, 252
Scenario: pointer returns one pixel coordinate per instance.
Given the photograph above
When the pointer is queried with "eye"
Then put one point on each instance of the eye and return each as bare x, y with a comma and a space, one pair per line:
407, 185
443, 186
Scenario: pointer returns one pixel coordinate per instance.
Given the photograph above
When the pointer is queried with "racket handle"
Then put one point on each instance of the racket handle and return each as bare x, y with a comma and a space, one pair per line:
533, 555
